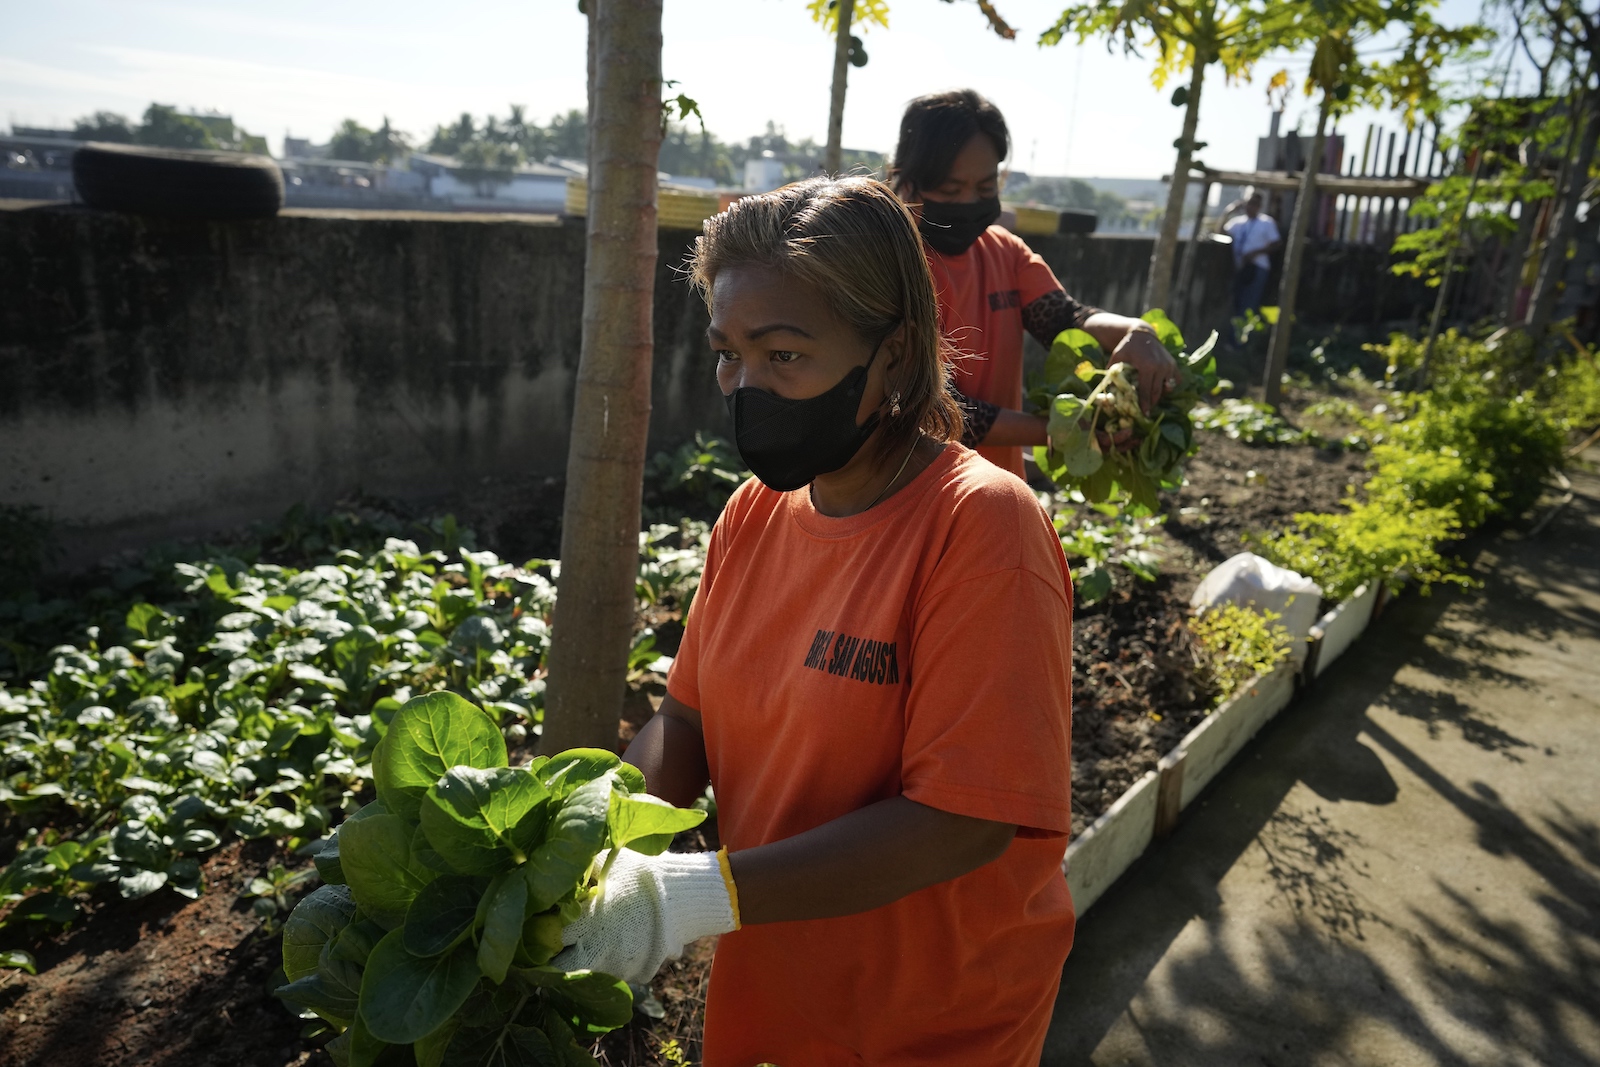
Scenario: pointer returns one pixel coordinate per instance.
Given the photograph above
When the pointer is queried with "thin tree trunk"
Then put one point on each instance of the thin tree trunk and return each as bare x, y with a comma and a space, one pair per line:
1191, 252
1158, 284
832, 158
1553, 264
1293, 258
1442, 300
594, 614
1516, 263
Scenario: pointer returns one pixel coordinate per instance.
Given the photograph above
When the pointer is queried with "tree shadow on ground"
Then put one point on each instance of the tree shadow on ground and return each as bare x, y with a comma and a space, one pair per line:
1309, 985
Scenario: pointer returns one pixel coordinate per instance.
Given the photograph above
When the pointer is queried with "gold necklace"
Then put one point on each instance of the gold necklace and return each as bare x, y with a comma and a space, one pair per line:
903, 465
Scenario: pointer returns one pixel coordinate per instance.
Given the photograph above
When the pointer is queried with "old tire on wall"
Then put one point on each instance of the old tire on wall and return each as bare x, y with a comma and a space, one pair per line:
187, 184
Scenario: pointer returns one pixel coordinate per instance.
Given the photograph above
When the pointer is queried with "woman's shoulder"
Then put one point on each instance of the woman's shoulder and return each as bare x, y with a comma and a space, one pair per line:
751, 501
993, 520
1000, 240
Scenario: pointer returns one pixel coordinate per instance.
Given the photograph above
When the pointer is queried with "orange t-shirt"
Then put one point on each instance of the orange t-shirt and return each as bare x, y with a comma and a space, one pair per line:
921, 648
981, 295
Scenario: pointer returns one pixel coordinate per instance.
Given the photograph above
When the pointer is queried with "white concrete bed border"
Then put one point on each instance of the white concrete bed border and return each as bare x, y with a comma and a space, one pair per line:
1149, 809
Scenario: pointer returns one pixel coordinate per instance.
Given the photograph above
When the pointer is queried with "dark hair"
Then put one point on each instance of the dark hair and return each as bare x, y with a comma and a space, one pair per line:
933, 131
856, 242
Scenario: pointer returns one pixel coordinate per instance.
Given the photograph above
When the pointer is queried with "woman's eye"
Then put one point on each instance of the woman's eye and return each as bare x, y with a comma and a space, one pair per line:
725, 356
785, 357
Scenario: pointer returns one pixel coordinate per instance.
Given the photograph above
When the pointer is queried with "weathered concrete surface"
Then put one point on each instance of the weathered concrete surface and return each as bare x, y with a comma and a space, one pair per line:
1403, 869
164, 378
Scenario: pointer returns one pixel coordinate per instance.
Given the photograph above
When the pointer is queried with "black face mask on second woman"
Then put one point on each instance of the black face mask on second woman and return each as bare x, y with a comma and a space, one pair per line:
951, 228
788, 443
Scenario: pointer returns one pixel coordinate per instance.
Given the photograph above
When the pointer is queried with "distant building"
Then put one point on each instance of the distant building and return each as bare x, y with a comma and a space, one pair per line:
763, 174
37, 164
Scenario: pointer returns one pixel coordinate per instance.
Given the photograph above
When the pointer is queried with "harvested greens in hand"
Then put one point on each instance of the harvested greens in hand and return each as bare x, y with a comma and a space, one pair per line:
1100, 441
446, 897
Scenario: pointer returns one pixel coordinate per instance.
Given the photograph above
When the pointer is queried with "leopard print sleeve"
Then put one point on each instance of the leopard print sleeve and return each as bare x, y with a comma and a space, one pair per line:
977, 417
1052, 313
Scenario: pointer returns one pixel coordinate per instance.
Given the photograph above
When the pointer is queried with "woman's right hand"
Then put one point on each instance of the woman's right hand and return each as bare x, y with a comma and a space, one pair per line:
645, 911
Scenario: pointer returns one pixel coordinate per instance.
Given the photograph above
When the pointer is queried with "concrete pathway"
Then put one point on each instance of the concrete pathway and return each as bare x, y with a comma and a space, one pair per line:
1404, 868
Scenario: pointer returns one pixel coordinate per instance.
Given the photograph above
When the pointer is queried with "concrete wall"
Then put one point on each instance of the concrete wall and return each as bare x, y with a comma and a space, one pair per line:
162, 378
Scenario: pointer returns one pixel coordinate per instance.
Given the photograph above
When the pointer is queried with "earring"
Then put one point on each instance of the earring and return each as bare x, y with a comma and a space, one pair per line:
894, 405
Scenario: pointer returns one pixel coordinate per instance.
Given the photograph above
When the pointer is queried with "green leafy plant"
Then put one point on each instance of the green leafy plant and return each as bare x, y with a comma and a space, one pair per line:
1372, 541
1238, 644
698, 477
1513, 439
1247, 421
1123, 541
446, 897
1405, 477
269, 893
1091, 406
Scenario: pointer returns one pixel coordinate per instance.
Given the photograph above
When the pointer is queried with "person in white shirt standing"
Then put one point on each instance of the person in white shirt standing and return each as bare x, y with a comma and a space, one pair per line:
1255, 237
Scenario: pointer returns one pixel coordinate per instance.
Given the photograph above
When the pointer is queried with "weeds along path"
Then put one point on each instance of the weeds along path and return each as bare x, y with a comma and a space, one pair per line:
1402, 868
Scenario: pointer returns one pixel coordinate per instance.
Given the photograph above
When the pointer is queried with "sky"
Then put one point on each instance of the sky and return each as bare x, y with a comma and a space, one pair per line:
300, 67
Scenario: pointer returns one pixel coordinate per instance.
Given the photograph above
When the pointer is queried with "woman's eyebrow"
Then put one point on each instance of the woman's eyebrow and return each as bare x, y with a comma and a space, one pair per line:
761, 331
779, 327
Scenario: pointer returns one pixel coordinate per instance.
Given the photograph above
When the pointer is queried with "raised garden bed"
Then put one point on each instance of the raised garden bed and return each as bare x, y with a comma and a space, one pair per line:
1136, 697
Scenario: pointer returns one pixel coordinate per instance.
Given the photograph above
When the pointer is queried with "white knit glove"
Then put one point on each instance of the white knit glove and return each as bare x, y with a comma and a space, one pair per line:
650, 908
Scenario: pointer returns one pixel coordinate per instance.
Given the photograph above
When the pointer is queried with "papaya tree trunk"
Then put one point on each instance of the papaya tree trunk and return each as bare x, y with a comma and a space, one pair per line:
833, 155
1553, 264
1158, 285
1516, 263
594, 614
1191, 252
1305, 205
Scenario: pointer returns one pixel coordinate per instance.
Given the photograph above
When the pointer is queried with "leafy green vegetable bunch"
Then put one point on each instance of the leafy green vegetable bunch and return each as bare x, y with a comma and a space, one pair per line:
1092, 406
446, 897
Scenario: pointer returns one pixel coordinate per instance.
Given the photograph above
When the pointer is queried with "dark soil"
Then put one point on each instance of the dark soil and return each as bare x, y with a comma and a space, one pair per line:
1234, 489
1133, 691
159, 981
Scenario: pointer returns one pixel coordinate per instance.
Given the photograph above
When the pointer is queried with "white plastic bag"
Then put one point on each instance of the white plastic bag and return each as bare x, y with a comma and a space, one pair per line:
1252, 582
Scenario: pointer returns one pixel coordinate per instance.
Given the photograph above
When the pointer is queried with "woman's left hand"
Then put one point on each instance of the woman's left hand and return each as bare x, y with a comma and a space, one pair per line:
1158, 371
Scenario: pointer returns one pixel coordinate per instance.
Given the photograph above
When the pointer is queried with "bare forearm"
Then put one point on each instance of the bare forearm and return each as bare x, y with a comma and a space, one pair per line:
1016, 428
1109, 329
862, 861
672, 754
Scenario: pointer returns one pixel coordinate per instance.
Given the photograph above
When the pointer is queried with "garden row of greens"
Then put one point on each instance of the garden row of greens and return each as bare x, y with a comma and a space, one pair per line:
1481, 443
237, 697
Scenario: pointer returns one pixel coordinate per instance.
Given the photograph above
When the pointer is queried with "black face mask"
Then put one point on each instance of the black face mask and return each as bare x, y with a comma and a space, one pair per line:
951, 228
787, 443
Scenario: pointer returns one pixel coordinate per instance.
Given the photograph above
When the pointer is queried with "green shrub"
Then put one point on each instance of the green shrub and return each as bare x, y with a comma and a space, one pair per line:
1370, 542
1432, 479
1514, 439
1575, 393
1238, 644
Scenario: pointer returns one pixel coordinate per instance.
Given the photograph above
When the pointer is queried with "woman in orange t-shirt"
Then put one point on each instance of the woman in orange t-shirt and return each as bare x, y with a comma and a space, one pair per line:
875, 678
991, 286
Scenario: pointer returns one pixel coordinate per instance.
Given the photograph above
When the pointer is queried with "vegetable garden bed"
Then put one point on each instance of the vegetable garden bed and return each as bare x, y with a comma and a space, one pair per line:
234, 696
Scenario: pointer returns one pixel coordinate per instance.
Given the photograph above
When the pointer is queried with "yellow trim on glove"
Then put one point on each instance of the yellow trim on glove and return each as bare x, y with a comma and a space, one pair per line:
727, 880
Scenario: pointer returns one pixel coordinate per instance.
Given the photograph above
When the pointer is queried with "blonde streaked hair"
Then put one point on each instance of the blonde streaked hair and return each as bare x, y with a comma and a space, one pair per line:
857, 244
